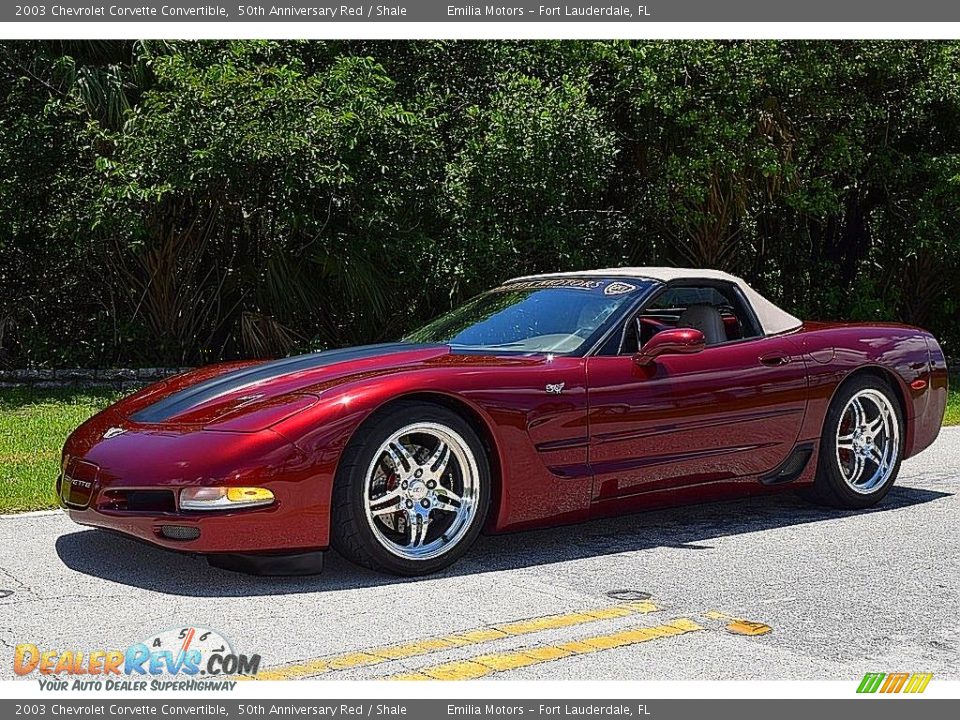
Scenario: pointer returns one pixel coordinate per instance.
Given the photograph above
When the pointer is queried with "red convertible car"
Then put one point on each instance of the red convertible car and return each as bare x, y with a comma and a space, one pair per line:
550, 399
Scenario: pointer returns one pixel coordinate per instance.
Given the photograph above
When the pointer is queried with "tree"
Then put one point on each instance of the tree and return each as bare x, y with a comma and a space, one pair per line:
189, 201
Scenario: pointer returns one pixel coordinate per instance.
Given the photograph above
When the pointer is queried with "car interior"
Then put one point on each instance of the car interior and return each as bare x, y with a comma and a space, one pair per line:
717, 310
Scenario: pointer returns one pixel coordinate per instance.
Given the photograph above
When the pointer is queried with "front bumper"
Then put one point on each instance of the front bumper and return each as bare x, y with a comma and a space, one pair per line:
262, 530
130, 483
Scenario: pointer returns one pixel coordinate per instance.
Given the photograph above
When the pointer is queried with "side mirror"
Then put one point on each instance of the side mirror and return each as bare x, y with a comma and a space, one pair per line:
676, 341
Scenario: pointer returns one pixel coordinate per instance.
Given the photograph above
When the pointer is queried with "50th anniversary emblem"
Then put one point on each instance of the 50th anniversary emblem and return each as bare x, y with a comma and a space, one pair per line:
182, 658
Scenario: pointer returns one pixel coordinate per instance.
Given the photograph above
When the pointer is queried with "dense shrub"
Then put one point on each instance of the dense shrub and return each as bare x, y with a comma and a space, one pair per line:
181, 202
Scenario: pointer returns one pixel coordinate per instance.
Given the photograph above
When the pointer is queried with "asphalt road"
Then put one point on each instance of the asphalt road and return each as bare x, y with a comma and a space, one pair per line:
842, 594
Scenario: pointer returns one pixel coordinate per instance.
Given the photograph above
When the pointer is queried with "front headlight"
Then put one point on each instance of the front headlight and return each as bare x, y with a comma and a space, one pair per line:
224, 498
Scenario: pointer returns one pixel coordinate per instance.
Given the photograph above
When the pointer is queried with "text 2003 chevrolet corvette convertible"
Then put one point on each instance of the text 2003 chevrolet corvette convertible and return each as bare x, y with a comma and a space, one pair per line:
550, 399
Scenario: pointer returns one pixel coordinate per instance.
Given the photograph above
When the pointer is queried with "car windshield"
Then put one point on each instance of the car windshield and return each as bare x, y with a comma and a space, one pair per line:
552, 315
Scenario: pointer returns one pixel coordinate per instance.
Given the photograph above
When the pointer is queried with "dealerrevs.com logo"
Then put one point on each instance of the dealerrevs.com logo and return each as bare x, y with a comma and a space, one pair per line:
898, 682
186, 658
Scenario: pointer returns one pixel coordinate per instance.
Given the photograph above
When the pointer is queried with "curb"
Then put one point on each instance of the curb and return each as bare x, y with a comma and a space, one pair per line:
29, 514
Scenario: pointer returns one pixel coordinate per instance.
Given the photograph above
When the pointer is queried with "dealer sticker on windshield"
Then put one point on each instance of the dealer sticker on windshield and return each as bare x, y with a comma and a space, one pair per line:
612, 288
546, 283
619, 288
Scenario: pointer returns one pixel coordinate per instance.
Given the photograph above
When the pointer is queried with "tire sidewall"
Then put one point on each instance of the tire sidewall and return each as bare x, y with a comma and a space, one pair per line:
829, 469
368, 440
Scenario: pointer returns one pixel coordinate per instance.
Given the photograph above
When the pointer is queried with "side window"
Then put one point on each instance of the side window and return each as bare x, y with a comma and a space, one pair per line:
716, 309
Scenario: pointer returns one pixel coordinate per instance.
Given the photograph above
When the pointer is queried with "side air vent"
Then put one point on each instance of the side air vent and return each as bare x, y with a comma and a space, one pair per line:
791, 468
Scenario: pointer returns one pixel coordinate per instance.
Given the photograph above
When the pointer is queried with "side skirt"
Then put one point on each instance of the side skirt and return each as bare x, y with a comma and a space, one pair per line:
791, 468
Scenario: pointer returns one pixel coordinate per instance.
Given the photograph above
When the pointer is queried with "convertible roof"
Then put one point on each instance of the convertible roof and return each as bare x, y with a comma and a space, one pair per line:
772, 319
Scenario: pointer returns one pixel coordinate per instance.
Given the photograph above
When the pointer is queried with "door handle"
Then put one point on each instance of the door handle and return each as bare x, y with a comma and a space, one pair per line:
774, 359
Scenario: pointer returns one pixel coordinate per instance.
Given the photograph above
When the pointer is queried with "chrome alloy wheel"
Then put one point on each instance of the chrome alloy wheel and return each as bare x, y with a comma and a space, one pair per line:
868, 441
421, 491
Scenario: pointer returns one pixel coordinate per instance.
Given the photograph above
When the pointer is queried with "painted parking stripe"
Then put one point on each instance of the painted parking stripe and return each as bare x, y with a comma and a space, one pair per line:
426, 646
483, 665
737, 625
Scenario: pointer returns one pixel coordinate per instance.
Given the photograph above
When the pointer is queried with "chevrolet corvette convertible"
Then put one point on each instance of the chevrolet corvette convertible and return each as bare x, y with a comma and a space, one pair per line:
550, 399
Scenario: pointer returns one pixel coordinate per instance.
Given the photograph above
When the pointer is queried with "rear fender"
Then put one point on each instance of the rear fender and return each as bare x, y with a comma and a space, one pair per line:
898, 353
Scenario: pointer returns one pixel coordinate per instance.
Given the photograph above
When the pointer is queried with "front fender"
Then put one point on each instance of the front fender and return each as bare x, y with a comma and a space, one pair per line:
538, 440
323, 432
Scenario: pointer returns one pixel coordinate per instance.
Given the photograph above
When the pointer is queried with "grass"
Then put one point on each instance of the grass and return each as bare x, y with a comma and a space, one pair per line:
952, 416
35, 423
33, 426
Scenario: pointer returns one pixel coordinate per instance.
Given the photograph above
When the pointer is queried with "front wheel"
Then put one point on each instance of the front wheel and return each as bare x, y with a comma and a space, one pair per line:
411, 492
861, 446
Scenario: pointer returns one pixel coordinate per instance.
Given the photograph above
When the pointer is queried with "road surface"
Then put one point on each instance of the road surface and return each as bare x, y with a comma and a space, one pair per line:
768, 588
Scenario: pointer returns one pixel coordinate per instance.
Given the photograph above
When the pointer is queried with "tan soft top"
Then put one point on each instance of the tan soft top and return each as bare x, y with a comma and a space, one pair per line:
772, 319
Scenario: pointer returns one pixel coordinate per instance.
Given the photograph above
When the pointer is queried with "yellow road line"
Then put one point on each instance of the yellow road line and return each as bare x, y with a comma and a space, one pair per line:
739, 626
483, 665
377, 655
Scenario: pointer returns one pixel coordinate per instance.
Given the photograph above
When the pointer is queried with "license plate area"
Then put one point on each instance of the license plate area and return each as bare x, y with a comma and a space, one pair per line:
79, 482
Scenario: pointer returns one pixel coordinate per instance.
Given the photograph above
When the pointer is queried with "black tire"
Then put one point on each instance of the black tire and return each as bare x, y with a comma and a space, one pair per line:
829, 487
352, 535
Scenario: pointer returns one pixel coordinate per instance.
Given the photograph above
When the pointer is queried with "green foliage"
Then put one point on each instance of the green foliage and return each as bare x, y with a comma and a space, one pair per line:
952, 415
33, 427
523, 190
179, 202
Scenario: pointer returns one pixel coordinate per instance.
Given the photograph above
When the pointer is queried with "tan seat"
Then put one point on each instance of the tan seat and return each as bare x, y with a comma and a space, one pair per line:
707, 319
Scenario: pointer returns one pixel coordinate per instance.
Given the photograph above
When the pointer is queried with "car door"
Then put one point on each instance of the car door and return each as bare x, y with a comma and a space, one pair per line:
728, 413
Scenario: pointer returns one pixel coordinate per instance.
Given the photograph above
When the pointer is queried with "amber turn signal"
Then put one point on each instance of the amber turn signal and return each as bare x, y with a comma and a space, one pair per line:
224, 498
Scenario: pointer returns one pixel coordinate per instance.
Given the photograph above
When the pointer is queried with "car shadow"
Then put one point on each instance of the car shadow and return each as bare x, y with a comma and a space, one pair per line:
129, 562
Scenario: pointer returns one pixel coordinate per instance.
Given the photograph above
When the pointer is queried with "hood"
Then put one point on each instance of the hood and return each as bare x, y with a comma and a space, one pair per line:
207, 396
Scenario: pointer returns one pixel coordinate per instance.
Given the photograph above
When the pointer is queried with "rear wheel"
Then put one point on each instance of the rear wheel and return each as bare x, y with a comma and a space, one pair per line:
411, 492
861, 446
